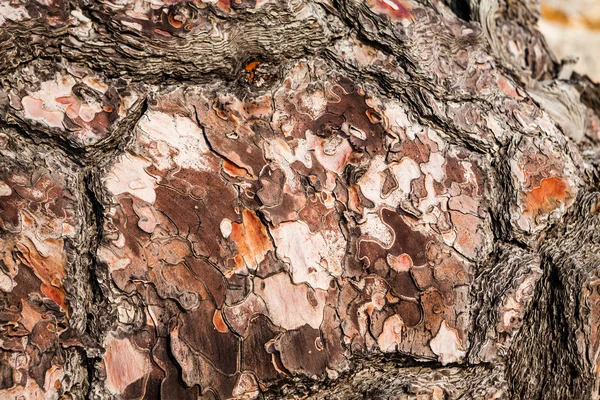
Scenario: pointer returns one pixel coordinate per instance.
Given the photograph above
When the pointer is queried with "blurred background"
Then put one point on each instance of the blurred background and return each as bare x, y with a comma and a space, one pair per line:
572, 28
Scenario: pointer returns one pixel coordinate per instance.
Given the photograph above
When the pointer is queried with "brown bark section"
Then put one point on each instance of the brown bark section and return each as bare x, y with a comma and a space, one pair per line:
319, 199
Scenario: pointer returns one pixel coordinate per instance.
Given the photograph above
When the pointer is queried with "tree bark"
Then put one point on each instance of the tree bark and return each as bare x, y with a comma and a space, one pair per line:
328, 199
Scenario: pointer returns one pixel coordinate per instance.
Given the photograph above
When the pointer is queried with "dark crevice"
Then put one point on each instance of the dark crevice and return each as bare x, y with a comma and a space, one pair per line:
98, 302
461, 8
96, 225
90, 366
551, 338
542, 345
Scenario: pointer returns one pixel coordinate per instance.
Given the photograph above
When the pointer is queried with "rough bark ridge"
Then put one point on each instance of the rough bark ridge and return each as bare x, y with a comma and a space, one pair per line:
386, 199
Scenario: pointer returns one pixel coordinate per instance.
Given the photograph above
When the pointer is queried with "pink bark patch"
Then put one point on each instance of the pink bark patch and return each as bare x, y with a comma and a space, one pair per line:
124, 365
34, 109
397, 10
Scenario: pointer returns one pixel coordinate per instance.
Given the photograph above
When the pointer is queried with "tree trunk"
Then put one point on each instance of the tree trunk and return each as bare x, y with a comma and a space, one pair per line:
328, 199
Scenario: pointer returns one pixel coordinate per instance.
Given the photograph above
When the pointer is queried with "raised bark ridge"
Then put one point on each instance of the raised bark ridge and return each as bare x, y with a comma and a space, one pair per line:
341, 199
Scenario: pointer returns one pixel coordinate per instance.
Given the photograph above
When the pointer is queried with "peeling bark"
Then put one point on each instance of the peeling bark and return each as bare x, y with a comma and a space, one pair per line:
346, 199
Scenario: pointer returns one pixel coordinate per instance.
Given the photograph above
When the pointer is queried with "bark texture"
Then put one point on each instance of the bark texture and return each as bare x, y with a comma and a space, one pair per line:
328, 199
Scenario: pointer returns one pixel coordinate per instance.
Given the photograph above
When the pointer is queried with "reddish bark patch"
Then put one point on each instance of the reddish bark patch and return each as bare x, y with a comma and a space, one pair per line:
252, 240
232, 170
218, 322
547, 196
397, 10
55, 294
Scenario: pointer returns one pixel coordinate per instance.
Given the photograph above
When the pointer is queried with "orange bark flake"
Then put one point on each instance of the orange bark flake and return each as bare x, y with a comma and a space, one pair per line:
251, 239
546, 197
219, 322
234, 171
250, 67
175, 21
354, 199
55, 294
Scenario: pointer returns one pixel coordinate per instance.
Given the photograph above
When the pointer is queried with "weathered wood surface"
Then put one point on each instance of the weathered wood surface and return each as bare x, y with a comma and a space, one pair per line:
343, 199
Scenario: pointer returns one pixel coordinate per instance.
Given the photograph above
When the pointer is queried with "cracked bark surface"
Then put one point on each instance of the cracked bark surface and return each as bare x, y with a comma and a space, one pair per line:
384, 199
